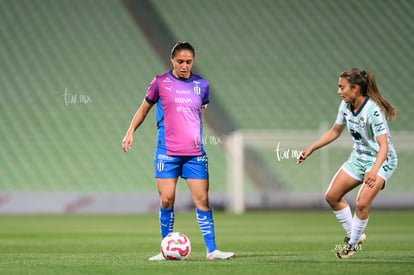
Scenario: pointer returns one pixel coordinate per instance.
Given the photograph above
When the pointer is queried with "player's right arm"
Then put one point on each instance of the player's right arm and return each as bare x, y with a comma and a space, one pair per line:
325, 139
137, 120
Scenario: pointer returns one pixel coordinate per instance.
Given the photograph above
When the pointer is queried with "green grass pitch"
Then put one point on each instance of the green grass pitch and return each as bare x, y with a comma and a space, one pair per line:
277, 242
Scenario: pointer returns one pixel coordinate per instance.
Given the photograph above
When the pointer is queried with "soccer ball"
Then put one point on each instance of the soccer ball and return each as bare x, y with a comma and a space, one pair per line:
176, 246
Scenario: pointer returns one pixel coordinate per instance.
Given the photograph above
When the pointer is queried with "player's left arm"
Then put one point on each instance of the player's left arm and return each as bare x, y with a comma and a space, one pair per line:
370, 177
203, 110
205, 101
381, 136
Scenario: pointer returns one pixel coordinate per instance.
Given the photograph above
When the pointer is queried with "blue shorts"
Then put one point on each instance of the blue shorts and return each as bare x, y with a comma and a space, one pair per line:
187, 167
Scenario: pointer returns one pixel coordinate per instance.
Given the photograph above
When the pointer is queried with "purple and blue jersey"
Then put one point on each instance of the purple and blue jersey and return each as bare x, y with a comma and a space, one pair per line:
178, 115
180, 151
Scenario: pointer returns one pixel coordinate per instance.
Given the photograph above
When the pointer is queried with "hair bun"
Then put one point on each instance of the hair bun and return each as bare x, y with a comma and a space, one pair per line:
364, 74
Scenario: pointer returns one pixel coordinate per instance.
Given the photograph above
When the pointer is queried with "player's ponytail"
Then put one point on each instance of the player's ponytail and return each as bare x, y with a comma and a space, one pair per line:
374, 93
366, 81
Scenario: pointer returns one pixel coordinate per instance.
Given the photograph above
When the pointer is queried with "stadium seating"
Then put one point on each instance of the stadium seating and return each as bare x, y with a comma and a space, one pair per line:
275, 64
72, 74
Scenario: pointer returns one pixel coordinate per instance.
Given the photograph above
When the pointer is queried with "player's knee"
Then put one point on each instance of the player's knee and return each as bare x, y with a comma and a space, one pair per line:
201, 202
332, 199
167, 201
362, 206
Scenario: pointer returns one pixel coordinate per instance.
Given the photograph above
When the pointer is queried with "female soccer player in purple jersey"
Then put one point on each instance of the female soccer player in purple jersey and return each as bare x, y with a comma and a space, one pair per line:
364, 112
181, 99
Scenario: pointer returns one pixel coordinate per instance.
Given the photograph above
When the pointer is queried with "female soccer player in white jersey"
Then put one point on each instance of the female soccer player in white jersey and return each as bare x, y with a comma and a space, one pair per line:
181, 99
364, 112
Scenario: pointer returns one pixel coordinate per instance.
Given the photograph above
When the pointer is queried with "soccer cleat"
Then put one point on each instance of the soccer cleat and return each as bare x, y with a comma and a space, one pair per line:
346, 252
362, 239
158, 257
218, 255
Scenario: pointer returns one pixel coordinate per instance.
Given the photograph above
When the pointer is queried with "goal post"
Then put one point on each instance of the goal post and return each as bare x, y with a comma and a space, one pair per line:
234, 145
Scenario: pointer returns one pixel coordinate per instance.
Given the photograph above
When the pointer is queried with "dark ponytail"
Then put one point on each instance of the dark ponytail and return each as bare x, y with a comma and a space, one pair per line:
366, 81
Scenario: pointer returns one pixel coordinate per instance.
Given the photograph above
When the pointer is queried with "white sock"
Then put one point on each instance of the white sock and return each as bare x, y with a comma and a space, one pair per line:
344, 217
358, 227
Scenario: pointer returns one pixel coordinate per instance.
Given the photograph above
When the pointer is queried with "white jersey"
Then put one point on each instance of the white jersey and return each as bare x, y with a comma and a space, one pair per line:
364, 126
